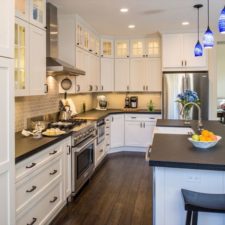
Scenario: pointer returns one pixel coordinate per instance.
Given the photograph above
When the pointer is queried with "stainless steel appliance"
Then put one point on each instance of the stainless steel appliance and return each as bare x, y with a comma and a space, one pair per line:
100, 131
133, 102
101, 102
176, 83
127, 102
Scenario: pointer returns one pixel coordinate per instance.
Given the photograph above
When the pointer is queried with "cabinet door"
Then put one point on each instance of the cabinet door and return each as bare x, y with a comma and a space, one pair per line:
22, 9
38, 13
91, 43
133, 133
172, 50
138, 74
107, 48
7, 157
189, 42
137, 48
21, 58
117, 131
6, 28
153, 47
79, 35
107, 74
154, 75
147, 133
96, 74
122, 49
122, 74
37, 59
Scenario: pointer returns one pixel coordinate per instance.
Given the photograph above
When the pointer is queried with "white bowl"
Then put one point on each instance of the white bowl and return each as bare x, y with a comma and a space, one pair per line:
205, 144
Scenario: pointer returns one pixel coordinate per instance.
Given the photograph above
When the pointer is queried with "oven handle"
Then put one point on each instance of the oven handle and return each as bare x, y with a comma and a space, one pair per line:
84, 145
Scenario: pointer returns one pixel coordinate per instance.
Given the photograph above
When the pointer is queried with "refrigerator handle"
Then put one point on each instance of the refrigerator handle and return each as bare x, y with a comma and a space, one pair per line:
183, 84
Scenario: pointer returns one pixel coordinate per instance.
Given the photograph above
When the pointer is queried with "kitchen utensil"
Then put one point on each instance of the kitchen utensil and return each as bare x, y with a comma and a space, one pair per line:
39, 125
102, 102
66, 84
204, 144
127, 102
65, 115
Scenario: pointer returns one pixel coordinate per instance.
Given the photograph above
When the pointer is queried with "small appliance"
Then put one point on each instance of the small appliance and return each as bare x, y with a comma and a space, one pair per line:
127, 102
102, 102
133, 102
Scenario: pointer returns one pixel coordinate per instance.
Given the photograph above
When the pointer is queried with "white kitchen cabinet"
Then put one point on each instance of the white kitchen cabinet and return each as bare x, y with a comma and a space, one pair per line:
117, 131
7, 153
178, 52
79, 35
122, 74
139, 130
153, 47
94, 73
37, 61
107, 48
137, 48
122, 49
6, 28
107, 74
22, 9
100, 153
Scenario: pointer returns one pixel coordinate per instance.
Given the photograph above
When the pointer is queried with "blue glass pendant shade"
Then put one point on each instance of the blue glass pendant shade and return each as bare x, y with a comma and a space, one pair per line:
198, 51
221, 23
208, 40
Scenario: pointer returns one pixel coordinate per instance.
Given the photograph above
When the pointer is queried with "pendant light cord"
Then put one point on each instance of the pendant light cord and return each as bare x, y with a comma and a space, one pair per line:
208, 13
198, 24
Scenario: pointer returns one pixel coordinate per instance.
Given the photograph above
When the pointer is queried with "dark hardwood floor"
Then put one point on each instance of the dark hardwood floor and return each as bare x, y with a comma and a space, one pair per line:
118, 194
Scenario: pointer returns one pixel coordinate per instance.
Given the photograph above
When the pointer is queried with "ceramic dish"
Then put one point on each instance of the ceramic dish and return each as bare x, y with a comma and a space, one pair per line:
205, 144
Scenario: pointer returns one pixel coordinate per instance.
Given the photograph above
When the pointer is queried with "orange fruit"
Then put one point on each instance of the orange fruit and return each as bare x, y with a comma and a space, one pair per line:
205, 133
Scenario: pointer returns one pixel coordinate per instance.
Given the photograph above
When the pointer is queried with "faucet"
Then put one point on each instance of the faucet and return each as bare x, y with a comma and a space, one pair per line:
200, 125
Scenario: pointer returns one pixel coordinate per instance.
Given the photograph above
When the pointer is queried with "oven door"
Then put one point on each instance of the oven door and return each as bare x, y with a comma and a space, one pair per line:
101, 134
82, 163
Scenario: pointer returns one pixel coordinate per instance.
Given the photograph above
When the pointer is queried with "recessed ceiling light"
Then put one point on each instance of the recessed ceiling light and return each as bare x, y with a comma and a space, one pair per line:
131, 26
186, 23
124, 10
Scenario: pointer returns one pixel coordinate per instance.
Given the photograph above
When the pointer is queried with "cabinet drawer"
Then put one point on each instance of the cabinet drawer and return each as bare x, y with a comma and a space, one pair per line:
27, 166
31, 186
41, 211
99, 153
146, 118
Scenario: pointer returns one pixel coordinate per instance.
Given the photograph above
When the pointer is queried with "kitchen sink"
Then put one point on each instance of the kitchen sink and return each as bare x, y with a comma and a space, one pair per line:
173, 130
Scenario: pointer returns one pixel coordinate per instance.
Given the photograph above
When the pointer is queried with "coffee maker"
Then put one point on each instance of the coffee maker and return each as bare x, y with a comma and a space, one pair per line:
133, 102
102, 102
127, 102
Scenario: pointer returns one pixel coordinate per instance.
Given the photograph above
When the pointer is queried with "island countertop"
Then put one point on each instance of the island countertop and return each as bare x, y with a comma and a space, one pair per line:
174, 150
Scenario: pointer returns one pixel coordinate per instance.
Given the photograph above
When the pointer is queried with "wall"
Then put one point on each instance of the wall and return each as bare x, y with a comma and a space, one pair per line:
31, 106
116, 100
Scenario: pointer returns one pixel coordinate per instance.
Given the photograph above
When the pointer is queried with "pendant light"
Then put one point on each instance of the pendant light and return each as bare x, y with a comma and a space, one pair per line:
221, 23
208, 40
198, 51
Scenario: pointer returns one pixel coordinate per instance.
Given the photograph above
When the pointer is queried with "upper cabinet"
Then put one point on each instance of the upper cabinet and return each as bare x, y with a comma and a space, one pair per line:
178, 53
122, 49
143, 48
107, 48
6, 27
32, 11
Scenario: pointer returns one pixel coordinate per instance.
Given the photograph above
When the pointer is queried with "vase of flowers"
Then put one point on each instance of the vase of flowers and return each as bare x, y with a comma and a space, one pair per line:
184, 98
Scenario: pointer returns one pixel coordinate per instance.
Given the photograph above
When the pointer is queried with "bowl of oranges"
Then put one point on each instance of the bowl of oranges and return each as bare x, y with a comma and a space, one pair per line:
206, 139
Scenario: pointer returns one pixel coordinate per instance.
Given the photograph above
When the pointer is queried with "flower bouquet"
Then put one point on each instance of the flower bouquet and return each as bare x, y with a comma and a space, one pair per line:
184, 98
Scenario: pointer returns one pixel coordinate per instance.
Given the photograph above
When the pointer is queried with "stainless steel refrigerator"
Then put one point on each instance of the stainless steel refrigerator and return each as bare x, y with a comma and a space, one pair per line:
176, 83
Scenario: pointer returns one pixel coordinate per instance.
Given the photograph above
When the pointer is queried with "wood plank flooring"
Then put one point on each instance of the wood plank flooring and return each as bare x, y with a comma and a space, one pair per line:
118, 194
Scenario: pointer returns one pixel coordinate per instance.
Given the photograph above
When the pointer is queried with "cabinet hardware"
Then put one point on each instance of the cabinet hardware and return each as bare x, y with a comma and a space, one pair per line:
141, 124
33, 221
101, 55
108, 145
107, 134
128, 87
90, 50
144, 56
107, 127
78, 88
53, 200
133, 117
182, 63
96, 53
53, 153
101, 150
144, 125
128, 56
144, 87
78, 43
96, 87
32, 189
185, 63
90, 87
102, 87
32, 165
54, 172
69, 149
45, 88
112, 119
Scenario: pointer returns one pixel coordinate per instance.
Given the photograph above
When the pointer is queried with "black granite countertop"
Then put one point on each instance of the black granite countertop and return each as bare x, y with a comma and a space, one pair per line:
170, 150
100, 114
27, 146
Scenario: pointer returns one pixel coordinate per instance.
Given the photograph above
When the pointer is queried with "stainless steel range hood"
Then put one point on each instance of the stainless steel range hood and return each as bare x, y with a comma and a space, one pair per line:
56, 66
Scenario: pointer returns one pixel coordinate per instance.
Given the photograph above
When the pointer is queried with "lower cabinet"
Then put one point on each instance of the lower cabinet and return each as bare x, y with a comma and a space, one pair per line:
43, 183
100, 152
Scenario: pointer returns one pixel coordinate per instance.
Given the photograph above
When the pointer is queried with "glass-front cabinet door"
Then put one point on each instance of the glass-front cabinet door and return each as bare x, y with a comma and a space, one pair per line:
38, 13
21, 57
22, 9
137, 48
153, 47
107, 48
122, 49
79, 36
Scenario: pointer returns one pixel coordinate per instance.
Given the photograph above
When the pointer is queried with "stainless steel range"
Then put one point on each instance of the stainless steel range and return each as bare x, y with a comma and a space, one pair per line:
83, 148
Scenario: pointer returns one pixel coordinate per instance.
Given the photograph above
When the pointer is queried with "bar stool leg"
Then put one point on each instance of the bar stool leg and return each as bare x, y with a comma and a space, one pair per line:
195, 218
188, 218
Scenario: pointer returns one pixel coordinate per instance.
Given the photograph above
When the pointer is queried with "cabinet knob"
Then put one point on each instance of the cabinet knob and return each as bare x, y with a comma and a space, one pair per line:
141, 124
90, 87
182, 63
185, 63
128, 56
102, 87
96, 87
69, 149
78, 88
144, 56
146, 87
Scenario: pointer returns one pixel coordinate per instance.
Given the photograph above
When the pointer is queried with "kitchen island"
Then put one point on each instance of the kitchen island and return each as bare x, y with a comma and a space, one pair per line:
177, 164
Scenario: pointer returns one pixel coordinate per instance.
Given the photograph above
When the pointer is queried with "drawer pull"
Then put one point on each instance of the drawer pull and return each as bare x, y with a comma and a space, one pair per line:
54, 172
32, 165
101, 150
133, 117
53, 153
107, 134
32, 189
33, 221
108, 145
53, 200
107, 127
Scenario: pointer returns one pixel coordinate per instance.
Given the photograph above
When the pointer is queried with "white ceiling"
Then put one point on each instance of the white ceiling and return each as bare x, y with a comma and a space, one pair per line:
149, 16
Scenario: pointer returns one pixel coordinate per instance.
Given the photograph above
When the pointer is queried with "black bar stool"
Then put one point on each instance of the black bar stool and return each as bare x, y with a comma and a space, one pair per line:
195, 202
